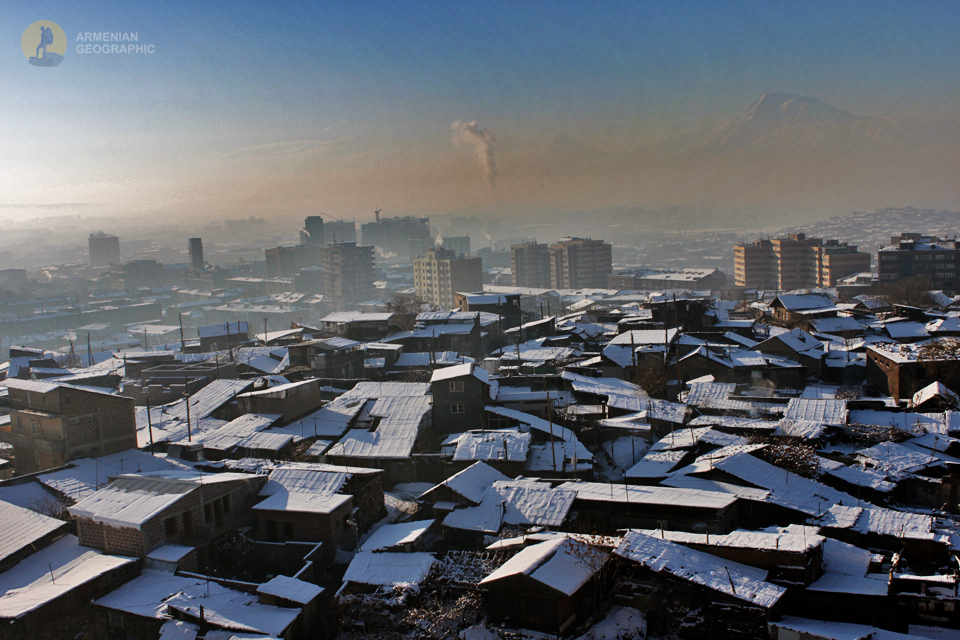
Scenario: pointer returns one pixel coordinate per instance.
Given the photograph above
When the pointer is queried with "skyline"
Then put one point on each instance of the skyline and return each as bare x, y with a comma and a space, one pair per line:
346, 108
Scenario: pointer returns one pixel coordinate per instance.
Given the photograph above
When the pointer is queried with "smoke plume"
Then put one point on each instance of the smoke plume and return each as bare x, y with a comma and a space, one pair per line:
482, 141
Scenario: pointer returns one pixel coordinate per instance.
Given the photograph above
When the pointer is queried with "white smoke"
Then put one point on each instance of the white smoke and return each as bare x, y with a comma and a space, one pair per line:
482, 141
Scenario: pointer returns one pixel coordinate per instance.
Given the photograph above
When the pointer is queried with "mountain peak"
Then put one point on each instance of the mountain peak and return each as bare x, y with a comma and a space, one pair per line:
781, 108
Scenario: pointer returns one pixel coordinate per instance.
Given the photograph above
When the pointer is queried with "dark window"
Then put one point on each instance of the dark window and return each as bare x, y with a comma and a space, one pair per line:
226, 504
457, 408
288, 530
456, 386
170, 526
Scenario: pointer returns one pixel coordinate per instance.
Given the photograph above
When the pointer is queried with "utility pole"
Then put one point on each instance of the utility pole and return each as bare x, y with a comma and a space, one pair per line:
553, 447
182, 343
149, 421
186, 392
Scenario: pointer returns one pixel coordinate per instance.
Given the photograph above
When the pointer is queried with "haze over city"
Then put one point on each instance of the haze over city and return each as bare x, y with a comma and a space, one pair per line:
807, 110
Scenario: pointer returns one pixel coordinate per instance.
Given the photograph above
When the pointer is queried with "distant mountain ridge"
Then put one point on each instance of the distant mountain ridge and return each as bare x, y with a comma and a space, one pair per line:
783, 122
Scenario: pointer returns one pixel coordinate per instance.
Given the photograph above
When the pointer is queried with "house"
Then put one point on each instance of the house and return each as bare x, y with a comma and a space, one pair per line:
22, 532
459, 396
610, 507
136, 514
328, 358
732, 593
902, 370
290, 401
546, 587
53, 423
363, 327
393, 417
797, 345
464, 488
48, 593
804, 306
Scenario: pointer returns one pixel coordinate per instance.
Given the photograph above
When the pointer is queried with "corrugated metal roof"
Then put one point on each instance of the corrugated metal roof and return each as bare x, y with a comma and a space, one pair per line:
22, 527
641, 494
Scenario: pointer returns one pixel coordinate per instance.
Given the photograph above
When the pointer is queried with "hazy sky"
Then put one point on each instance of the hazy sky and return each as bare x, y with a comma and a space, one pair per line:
256, 108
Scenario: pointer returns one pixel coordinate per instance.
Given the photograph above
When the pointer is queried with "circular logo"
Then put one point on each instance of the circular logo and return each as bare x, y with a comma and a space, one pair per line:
44, 43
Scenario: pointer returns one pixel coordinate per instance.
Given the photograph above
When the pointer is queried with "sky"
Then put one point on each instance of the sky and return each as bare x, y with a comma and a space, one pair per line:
268, 108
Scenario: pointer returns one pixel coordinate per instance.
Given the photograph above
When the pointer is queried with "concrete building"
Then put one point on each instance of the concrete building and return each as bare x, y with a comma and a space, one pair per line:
348, 274
576, 263
286, 262
51, 424
137, 274
312, 232
796, 262
530, 264
458, 244
912, 255
104, 249
657, 279
439, 275
195, 246
340, 231
395, 235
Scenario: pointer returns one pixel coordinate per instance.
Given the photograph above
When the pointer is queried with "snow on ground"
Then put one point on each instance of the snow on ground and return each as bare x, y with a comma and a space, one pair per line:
623, 453
410, 491
621, 623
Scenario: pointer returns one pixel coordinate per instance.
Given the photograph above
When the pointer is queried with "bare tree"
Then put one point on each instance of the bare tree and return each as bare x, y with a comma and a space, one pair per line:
406, 307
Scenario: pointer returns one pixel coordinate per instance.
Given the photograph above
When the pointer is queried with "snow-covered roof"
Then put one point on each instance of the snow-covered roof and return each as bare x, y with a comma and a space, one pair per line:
22, 527
395, 535
731, 578
387, 569
786, 489
642, 494
290, 589
896, 459
935, 390
517, 503
457, 371
473, 481
303, 502
51, 573
826, 411
400, 420
558, 564
743, 539
803, 302
510, 445
131, 501
84, 476
356, 316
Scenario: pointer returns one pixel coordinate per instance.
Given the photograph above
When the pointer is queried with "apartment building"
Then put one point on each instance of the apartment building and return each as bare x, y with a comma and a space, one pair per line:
104, 249
441, 274
348, 274
577, 263
530, 263
796, 262
912, 255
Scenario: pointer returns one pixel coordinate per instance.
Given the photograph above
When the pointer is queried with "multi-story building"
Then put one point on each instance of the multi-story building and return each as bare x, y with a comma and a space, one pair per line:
795, 262
137, 274
394, 235
755, 265
104, 249
530, 263
340, 231
912, 255
458, 244
839, 260
441, 274
312, 232
576, 263
348, 274
656, 279
51, 424
195, 246
285, 262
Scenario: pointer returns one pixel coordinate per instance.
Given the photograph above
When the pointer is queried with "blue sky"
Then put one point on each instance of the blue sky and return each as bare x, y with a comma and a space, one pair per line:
384, 80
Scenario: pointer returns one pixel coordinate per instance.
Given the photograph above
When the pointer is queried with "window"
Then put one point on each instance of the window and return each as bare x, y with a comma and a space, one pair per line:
456, 386
457, 408
288, 530
207, 513
170, 526
226, 504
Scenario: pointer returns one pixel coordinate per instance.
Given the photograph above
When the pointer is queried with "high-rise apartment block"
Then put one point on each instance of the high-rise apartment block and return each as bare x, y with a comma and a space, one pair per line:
195, 246
394, 235
104, 249
577, 263
530, 264
340, 231
796, 262
312, 232
912, 255
458, 244
348, 274
441, 274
